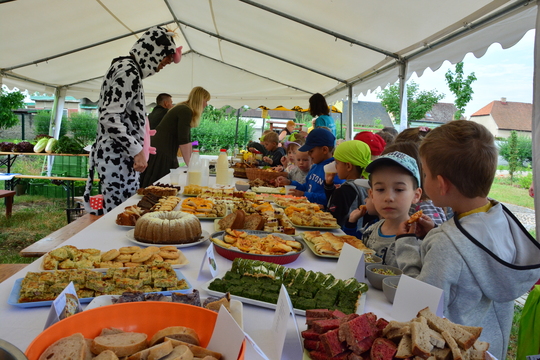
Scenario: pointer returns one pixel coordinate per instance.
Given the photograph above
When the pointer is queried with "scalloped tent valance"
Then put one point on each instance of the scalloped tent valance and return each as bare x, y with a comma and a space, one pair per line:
251, 52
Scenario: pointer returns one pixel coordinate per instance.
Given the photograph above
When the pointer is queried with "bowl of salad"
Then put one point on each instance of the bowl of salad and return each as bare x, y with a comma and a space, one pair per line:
375, 273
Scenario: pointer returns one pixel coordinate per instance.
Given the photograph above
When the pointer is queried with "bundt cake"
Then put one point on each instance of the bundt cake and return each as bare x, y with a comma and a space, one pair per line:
168, 227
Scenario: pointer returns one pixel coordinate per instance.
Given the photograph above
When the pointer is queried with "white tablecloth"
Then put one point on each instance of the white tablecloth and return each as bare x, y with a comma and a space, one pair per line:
20, 326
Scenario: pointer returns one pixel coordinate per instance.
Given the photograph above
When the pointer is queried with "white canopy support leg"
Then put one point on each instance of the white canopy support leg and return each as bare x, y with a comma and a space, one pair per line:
350, 125
535, 124
56, 115
403, 96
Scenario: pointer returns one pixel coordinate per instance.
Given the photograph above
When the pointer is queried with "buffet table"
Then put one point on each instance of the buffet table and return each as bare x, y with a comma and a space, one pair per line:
20, 326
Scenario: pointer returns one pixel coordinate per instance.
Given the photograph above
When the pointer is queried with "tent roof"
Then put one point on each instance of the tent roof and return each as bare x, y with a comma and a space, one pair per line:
251, 52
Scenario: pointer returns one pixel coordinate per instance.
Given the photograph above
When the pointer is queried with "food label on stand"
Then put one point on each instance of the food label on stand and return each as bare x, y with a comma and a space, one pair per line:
209, 259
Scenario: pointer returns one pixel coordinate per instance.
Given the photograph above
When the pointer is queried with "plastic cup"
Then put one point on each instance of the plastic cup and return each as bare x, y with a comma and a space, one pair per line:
174, 176
288, 188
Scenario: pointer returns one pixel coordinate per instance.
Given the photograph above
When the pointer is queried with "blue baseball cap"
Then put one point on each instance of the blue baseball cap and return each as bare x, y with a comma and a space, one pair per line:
318, 137
399, 158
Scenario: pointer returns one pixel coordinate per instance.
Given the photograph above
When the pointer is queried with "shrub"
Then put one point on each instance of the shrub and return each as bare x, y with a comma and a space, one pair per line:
83, 126
42, 123
9, 102
524, 150
525, 181
217, 130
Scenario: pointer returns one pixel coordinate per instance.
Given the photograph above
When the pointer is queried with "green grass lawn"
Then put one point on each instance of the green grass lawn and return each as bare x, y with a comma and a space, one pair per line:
512, 195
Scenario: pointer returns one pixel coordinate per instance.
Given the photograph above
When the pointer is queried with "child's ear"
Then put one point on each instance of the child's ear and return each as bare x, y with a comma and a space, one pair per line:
417, 195
370, 193
444, 185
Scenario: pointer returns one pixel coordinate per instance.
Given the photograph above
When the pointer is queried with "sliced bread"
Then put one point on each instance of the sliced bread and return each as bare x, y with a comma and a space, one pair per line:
154, 352
71, 347
181, 352
420, 339
456, 352
254, 222
181, 333
463, 337
404, 349
234, 220
106, 355
197, 351
122, 344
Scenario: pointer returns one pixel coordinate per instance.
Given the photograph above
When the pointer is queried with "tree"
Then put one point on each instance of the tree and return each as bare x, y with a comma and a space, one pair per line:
9, 102
524, 150
460, 87
418, 102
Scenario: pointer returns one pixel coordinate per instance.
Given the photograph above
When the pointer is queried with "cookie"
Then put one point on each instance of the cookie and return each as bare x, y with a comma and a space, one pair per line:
129, 249
153, 249
168, 248
109, 255
123, 258
141, 256
111, 264
169, 254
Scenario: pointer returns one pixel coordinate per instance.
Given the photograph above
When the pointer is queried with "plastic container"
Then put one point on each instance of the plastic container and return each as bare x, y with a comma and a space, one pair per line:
222, 168
205, 171
194, 169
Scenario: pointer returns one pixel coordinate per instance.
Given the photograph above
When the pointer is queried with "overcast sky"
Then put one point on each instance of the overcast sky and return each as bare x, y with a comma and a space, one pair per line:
500, 73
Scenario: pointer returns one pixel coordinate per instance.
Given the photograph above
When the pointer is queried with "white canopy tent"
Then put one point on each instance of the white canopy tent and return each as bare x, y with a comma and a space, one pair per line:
254, 52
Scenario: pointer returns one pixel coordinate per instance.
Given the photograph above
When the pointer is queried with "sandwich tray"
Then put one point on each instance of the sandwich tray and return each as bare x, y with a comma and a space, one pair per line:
182, 259
263, 304
15, 291
316, 227
311, 247
105, 300
268, 190
204, 237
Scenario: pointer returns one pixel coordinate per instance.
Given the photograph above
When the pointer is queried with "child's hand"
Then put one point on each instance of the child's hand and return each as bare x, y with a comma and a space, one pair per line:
284, 161
423, 226
329, 178
278, 168
295, 192
282, 180
251, 149
268, 160
356, 214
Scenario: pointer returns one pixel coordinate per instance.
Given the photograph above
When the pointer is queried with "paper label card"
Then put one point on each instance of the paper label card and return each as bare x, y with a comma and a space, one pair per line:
413, 295
210, 260
227, 337
65, 305
350, 264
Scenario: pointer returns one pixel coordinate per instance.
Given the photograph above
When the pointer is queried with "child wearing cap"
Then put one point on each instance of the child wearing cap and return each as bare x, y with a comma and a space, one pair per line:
395, 185
483, 258
434, 213
351, 158
319, 145
375, 142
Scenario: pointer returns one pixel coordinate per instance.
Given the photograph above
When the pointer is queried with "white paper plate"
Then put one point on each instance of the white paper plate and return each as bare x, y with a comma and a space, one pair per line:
205, 236
237, 309
359, 309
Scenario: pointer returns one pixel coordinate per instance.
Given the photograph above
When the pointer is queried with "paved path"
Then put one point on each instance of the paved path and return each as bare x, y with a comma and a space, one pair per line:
525, 215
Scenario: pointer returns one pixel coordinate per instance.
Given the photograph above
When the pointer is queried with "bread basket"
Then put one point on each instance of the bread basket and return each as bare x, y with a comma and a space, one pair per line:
253, 174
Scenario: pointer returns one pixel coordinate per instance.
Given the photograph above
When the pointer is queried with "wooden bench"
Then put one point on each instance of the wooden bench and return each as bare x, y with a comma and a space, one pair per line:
8, 195
7, 270
43, 246
66, 181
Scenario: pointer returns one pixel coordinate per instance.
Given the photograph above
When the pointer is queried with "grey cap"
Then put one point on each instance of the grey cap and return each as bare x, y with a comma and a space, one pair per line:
399, 158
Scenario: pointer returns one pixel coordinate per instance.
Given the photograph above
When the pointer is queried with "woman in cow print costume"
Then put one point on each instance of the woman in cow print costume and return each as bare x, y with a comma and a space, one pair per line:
117, 155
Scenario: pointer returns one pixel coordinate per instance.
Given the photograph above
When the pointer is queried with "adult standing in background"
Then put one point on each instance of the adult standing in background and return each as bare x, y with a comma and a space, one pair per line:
318, 107
117, 155
163, 104
289, 129
172, 132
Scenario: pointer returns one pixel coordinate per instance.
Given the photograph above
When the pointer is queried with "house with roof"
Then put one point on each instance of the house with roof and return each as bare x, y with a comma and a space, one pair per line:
440, 113
501, 117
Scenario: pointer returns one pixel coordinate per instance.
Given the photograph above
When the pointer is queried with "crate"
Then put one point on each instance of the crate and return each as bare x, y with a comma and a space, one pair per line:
36, 189
74, 166
54, 191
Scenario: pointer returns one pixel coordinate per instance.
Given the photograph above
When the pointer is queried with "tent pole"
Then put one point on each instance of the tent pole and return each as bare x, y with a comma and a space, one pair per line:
403, 96
535, 123
237, 120
54, 131
350, 114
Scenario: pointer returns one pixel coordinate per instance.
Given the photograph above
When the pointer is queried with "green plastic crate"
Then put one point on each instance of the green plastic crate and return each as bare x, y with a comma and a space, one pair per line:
74, 166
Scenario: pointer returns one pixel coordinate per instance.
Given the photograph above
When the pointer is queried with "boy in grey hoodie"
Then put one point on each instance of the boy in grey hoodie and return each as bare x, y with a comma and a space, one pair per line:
483, 258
